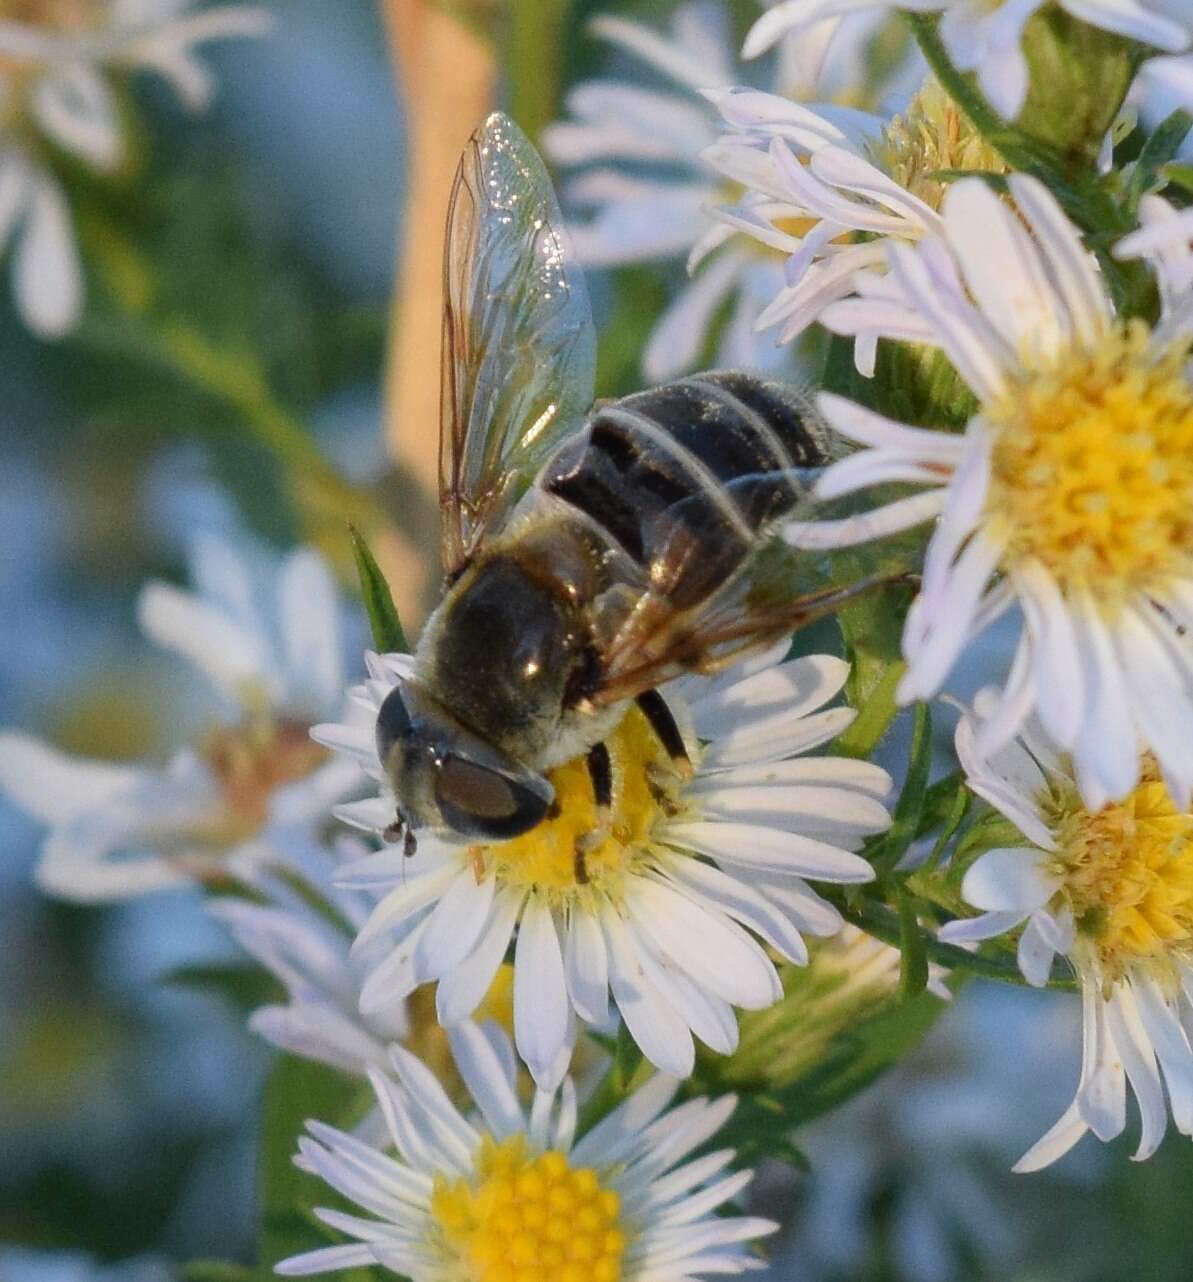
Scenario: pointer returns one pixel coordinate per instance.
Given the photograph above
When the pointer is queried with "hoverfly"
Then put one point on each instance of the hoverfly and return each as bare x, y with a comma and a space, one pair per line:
590, 553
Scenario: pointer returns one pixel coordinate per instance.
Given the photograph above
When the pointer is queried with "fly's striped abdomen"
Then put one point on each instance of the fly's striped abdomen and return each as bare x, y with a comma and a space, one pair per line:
685, 476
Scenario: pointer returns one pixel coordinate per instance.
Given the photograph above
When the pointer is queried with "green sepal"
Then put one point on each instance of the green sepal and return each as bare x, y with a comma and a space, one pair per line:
388, 634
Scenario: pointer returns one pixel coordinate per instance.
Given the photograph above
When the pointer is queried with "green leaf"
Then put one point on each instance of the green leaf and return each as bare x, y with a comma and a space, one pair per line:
1162, 145
913, 968
388, 635
297, 1090
886, 852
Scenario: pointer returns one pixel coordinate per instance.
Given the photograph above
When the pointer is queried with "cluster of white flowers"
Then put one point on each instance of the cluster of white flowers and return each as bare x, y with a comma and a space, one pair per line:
985, 36
56, 85
650, 176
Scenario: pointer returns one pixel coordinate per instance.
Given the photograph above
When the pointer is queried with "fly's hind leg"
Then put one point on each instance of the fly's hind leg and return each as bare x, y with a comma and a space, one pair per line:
600, 771
662, 779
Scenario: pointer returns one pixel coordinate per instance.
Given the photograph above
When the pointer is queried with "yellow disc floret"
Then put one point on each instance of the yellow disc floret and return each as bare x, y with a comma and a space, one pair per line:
522, 1216
928, 140
1092, 468
1128, 876
572, 849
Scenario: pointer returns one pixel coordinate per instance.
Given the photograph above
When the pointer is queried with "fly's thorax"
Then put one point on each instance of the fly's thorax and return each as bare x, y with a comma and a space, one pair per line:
509, 648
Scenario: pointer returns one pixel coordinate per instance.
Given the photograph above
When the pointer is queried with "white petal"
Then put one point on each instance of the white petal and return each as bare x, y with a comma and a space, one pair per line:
586, 966
54, 787
203, 635
953, 620
869, 428
1055, 1144
717, 954
1035, 952
1101, 1097
463, 988
1162, 1026
1139, 1060
769, 849
1072, 268
540, 993
655, 1025
74, 106
1009, 880
770, 738
613, 1138
741, 902
455, 924
903, 514
1056, 667
47, 276
483, 1074
968, 930
791, 689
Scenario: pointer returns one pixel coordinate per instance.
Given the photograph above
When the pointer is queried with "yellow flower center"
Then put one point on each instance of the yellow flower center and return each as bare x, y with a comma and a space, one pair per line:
1092, 468
1128, 876
522, 1217
569, 853
932, 137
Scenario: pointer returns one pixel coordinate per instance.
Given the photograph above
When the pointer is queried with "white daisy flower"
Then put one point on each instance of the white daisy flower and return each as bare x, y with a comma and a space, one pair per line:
985, 36
649, 190
663, 909
1110, 889
54, 81
504, 1195
815, 178
302, 934
1069, 492
270, 646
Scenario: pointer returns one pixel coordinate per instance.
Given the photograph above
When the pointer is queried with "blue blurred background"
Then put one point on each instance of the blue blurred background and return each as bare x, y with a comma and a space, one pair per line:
127, 1099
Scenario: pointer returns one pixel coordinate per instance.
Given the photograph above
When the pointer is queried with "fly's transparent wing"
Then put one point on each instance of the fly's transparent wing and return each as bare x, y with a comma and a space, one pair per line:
777, 591
519, 347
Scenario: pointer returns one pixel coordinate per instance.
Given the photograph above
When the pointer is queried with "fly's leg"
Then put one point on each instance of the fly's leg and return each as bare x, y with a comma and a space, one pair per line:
663, 780
600, 771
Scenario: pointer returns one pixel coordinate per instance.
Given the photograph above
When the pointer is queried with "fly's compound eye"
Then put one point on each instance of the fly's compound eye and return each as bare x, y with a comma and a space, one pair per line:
478, 802
393, 723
